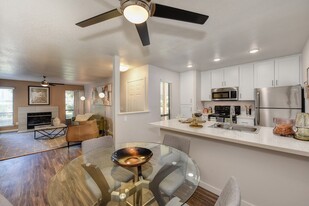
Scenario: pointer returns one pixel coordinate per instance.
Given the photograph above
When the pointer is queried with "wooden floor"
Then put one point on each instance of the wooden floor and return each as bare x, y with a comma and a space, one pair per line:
24, 180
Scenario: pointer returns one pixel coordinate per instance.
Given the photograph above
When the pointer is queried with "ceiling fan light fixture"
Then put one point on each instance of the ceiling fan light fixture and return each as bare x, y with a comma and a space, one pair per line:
136, 12
44, 84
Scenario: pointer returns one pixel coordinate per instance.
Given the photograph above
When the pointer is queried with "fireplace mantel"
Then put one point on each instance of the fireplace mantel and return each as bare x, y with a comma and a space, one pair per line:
22, 114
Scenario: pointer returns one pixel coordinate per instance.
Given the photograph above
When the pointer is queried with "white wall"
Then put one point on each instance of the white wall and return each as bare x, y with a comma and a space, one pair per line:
135, 126
305, 64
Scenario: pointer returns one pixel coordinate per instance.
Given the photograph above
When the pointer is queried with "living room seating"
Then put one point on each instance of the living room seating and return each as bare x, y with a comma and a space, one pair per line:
85, 130
101, 121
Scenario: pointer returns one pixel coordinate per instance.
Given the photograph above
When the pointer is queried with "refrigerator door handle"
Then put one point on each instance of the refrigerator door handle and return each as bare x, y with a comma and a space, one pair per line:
257, 112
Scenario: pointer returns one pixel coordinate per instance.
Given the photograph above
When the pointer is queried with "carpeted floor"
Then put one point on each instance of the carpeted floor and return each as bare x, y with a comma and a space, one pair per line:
15, 144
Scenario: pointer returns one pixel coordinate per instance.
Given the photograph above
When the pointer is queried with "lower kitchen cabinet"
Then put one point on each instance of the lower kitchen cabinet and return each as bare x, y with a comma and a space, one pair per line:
249, 121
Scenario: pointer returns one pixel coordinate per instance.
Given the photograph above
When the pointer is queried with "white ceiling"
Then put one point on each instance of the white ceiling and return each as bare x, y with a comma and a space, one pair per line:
39, 37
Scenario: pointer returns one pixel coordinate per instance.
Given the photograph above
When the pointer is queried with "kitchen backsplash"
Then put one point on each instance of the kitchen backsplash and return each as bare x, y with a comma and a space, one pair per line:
242, 104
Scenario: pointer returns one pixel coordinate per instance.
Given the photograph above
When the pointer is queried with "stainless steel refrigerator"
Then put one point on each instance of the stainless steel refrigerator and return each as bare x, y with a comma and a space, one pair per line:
277, 102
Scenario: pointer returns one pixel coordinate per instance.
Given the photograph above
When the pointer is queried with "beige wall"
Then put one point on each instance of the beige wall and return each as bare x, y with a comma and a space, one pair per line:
57, 96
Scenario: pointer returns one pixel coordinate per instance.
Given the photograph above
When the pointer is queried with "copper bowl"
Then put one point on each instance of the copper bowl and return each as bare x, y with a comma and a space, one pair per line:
131, 156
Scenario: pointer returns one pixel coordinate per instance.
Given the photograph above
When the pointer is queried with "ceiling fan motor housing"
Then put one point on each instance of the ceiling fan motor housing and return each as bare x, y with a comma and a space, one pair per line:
143, 3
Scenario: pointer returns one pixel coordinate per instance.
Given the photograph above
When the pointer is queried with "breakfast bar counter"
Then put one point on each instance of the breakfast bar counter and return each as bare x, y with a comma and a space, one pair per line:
263, 139
270, 169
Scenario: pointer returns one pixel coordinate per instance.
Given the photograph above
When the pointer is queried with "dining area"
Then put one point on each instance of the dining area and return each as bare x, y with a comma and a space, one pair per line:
134, 173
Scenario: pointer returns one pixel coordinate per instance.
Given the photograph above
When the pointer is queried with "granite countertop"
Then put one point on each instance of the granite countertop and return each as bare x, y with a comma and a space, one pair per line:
263, 139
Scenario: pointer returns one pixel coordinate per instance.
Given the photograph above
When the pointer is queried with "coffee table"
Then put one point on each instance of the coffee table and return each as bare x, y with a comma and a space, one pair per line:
50, 131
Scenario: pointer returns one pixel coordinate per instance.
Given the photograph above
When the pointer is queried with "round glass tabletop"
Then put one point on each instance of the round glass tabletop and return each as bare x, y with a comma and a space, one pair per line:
169, 177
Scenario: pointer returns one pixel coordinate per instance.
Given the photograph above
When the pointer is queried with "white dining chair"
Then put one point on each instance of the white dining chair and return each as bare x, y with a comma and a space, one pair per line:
91, 144
174, 180
4, 201
230, 195
110, 174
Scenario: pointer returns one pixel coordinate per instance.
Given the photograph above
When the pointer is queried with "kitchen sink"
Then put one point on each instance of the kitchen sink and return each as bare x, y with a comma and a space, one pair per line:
236, 127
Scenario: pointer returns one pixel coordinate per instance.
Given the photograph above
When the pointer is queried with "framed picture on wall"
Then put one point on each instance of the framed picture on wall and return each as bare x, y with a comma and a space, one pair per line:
38, 95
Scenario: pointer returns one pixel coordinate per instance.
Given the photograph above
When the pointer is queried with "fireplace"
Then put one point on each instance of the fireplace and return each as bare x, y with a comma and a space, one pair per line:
38, 118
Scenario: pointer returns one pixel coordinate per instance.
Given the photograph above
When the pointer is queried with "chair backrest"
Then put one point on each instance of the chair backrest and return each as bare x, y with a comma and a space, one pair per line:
230, 195
4, 201
180, 143
91, 144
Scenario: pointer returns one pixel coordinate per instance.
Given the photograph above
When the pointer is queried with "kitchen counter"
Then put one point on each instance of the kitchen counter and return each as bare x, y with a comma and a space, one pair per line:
270, 169
263, 139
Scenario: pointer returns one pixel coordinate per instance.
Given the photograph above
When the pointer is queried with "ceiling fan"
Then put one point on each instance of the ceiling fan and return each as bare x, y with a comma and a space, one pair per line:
138, 11
45, 83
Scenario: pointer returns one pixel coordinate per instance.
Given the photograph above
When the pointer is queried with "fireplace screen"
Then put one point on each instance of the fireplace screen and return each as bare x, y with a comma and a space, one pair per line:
38, 118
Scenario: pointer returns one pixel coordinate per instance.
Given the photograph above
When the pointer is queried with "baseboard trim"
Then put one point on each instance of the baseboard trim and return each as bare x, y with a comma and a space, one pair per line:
7, 131
217, 191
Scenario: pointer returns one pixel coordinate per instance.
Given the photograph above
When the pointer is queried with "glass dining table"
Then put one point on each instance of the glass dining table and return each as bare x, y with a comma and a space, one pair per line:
170, 177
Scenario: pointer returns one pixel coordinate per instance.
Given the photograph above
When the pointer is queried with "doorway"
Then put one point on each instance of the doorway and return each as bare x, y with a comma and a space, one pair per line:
165, 104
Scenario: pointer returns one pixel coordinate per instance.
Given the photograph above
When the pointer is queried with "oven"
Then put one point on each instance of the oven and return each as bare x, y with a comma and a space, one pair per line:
224, 94
222, 114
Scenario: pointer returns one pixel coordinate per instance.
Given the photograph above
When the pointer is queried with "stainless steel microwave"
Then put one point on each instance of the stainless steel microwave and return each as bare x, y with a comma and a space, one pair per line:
224, 94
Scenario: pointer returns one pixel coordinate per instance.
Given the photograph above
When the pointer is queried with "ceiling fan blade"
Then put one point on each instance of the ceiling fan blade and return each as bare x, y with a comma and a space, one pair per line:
99, 18
142, 30
54, 84
178, 14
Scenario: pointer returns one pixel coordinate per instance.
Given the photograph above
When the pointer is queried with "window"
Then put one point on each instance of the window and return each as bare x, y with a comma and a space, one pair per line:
69, 104
6, 106
165, 93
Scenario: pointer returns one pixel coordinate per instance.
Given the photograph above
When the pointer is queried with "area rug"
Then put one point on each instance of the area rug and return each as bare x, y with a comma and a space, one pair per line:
15, 144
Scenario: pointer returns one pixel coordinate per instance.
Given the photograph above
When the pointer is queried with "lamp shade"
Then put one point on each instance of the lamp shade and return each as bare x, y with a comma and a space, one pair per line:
135, 14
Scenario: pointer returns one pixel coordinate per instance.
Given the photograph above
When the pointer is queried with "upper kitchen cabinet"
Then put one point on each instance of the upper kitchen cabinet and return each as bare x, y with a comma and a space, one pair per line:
264, 74
225, 77
206, 86
283, 71
246, 82
287, 71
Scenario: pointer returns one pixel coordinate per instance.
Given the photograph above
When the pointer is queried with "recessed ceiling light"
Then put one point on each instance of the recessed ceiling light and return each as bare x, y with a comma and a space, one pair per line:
253, 51
189, 65
123, 68
217, 59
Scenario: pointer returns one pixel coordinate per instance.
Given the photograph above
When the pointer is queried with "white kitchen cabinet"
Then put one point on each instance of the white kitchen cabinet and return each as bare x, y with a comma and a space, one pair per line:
225, 77
187, 87
287, 71
246, 82
217, 78
245, 121
264, 74
206, 86
283, 71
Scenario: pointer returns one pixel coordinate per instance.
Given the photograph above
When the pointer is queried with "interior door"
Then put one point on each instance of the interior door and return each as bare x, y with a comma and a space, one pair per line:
136, 96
